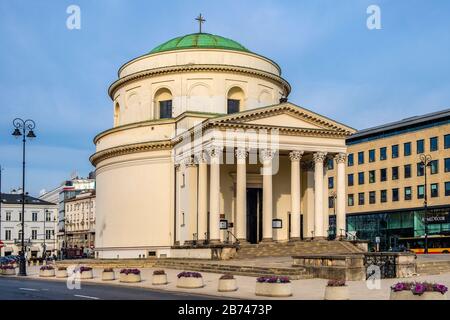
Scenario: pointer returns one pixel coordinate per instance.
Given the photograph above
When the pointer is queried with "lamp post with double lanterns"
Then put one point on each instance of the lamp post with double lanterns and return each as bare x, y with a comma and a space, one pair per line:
425, 161
24, 129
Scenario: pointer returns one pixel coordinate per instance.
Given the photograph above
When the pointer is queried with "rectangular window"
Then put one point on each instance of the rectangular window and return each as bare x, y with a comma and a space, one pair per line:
434, 166
447, 188
350, 179
360, 177
7, 234
233, 106
394, 151
361, 157
8, 216
48, 234
383, 153
20, 216
420, 169
383, 174
372, 197
383, 194
48, 216
447, 141
330, 183
34, 234
407, 149
34, 216
408, 193
433, 143
372, 155
165, 109
330, 202
434, 190
350, 201
361, 198
447, 164
372, 176
330, 164
420, 148
394, 173
350, 160
395, 194
407, 171
420, 191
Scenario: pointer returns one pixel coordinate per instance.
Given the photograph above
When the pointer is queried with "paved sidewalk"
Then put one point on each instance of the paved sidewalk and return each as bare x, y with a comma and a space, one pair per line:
309, 289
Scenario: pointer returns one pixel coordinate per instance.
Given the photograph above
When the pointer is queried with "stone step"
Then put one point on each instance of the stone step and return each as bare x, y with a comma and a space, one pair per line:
433, 267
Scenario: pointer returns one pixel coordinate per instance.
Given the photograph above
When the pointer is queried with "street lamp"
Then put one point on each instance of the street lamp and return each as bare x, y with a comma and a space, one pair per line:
24, 129
425, 161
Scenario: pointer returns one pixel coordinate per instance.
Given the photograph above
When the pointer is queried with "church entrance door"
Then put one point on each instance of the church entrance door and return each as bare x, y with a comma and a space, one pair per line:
254, 215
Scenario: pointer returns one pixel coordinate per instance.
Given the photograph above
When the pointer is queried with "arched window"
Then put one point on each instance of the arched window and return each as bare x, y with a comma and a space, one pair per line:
116, 114
163, 104
235, 100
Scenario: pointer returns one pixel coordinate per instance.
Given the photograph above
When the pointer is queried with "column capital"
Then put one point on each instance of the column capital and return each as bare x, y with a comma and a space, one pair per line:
214, 151
267, 154
200, 156
296, 155
319, 156
340, 157
241, 153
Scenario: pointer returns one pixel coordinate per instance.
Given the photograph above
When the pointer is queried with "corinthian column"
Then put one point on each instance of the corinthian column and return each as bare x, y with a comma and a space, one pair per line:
267, 156
202, 196
214, 194
318, 157
241, 195
295, 157
340, 195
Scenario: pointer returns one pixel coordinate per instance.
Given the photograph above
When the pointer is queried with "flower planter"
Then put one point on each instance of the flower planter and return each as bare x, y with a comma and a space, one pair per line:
159, 279
336, 293
130, 278
61, 273
227, 285
108, 275
408, 295
273, 289
9, 272
88, 274
190, 282
47, 273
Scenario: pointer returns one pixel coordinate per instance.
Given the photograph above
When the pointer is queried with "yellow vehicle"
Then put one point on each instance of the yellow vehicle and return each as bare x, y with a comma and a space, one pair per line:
436, 244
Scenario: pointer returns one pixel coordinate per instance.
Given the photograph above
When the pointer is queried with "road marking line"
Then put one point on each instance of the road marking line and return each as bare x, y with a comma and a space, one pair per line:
28, 289
87, 297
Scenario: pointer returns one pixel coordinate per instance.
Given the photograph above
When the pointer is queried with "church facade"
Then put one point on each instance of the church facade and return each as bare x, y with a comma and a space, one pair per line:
206, 149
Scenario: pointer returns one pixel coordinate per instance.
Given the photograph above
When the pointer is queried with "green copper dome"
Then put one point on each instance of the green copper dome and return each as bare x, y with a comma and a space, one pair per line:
199, 41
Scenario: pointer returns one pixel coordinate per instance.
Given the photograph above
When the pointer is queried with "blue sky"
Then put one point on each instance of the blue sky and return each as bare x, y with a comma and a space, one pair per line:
336, 66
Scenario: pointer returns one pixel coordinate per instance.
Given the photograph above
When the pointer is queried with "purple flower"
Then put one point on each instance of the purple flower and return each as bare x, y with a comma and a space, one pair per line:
401, 286
440, 288
273, 279
49, 267
419, 288
130, 271
83, 269
186, 274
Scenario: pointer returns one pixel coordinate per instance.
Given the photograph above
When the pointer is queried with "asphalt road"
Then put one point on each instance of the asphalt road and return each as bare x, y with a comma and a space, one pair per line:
32, 289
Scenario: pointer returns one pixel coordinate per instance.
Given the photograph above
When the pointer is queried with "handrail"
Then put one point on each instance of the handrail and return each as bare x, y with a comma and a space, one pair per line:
228, 237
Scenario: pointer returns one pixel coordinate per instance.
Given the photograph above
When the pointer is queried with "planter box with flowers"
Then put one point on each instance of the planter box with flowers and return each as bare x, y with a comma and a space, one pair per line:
47, 271
130, 275
189, 280
273, 286
8, 270
108, 274
86, 272
336, 290
418, 291
159, 277
227, 283
61, 272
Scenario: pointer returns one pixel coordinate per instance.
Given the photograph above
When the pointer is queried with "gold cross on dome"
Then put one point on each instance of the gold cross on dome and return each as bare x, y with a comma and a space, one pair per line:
200, 20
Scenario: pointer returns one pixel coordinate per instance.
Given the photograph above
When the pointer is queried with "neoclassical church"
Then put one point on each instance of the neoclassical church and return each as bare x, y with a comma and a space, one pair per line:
206, 150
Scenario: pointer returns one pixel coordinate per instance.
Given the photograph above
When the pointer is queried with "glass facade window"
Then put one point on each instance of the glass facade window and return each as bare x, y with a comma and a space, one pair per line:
383, 174
330, 182
407, 171
361, 198
395, 194
330, 164
233, 106
420, 169
350, 160
165, 109
383, 153
447, 188
350, 200
394, 173
447, 141
420, 191
372, 197
361, 157
420, 146
433, 143
447, 164
383, 196
407, 149
434, 190
408, 193
434, 167
394, 151
330, 202
372, 155
360, 177
350, 179
372, 176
